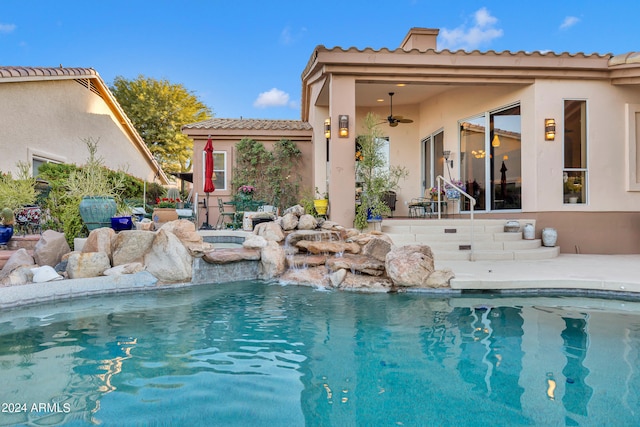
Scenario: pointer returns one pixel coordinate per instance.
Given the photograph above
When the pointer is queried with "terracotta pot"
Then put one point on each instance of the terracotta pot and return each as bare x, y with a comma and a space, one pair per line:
161, 215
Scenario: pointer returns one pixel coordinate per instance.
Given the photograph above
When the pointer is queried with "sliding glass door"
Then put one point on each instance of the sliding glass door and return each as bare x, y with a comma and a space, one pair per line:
433, 162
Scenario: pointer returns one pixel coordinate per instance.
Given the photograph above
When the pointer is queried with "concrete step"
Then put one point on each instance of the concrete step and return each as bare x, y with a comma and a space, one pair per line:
524, 254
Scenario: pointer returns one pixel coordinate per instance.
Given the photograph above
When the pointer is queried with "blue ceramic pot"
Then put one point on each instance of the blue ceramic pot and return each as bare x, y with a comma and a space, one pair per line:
6, 233
119, 223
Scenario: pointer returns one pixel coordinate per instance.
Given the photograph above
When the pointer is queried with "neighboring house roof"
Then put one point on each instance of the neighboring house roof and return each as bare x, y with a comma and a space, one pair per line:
91, 79
249, 124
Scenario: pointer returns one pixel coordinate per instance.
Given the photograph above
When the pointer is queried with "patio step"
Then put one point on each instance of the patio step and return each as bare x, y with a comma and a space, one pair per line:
450, 239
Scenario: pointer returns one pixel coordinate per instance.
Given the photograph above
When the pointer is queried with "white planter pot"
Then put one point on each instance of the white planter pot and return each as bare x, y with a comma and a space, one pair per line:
549, 237
529, 232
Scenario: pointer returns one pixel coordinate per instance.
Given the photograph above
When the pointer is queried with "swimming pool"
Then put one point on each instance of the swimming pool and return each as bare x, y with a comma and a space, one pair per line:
250, 353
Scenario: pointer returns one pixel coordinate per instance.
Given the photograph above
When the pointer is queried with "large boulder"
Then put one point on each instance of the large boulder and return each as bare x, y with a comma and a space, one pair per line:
131, 246
289, 222
272, 261
307, 222
359, 263
270, 231
20, 258
296, 210
324, 247
87, 264
364, 283
227, 255
167, 259
185, 231
99, 240
50, 248
410, 265
313, 276
377, 248
18, 276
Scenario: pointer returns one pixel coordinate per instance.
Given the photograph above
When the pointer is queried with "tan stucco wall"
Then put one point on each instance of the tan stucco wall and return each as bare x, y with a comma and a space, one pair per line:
226, 141
51, 118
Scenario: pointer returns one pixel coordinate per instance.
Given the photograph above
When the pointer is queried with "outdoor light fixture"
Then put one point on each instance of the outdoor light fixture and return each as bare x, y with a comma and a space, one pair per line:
549, 129
344, 126
327, 128
446, 155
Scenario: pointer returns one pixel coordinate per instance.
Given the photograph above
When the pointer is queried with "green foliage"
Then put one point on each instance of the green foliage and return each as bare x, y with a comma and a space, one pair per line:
72, 224
158, 109
273, 174
94, 179
18, 192
7, 216
372, 172
173, 193
306, 201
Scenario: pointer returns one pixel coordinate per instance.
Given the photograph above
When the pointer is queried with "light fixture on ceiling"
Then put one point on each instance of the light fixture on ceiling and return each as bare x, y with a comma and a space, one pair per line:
496, 141
343, 126
549, 129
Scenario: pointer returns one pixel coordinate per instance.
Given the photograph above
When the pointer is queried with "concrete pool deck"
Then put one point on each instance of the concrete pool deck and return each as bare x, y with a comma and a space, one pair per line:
620, 273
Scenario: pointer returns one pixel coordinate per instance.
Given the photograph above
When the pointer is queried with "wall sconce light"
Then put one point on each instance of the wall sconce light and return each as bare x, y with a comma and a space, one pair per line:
327, 128
446, 155
549, 129
343, 124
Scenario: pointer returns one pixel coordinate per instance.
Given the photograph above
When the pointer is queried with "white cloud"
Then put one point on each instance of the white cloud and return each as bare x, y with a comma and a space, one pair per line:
274, 98
287, 36
568, 22
482, 32
7, 28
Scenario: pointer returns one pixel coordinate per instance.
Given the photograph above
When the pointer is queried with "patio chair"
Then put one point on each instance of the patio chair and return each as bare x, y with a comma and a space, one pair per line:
224, 217
420, 207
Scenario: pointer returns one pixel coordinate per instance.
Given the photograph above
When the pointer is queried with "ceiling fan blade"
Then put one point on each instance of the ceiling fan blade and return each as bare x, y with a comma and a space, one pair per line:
393, 124
405, 120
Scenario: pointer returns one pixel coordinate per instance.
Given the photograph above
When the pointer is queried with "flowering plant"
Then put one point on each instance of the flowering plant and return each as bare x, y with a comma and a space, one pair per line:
457, 183
166, 202
433, 191
246, 189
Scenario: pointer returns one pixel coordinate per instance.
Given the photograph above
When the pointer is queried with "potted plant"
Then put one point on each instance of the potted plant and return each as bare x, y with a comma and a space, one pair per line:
14, 194
321, 202
97, 193
123, 219
375, 177
165, 209
453, 193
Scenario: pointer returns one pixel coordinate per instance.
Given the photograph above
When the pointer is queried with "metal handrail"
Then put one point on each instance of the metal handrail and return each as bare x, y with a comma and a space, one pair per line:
472, 202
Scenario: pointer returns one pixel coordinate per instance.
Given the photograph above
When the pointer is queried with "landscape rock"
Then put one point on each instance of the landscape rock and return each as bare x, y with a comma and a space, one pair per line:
307, 222
45, 274
305, 260
87, 264
131, 268
440, 278
410, 265
337, 277
168, 259
270, 231
18, 276
254, 242
289, 222
99, 240
272, 261
323, 247
377, 248
363, 283
131, 246
227, 255
314, 276
357, 263
296, 210
20, 258
185, 231
50, 248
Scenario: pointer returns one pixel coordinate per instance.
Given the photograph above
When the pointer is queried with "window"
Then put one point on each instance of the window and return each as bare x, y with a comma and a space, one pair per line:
574, 174
36, 162
219, 169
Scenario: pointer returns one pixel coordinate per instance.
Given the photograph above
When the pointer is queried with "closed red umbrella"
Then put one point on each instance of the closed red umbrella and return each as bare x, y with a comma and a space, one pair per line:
208, 178
208, 167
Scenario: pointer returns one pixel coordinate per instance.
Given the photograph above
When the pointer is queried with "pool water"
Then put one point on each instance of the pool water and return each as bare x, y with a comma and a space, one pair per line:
255, 354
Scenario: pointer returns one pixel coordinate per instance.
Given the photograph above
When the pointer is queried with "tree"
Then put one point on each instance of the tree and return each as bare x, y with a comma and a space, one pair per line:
158, 109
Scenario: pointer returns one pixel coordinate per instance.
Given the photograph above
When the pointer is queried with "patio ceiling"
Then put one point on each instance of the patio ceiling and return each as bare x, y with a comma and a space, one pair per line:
368, 93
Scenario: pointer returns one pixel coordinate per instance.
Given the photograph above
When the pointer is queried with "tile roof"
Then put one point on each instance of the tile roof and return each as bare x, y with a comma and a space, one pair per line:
44, 72
250, 124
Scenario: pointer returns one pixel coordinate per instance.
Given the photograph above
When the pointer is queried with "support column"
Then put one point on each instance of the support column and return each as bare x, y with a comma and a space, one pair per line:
342, 180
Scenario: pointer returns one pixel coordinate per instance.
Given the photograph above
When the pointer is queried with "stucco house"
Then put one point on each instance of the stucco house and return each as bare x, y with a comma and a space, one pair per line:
48, 112
553, 137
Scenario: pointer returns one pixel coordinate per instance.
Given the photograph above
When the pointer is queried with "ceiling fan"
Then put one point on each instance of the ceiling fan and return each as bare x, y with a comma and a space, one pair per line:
394, 120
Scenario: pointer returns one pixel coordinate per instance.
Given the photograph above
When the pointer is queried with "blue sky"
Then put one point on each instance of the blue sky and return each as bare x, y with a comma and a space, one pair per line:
245, 58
